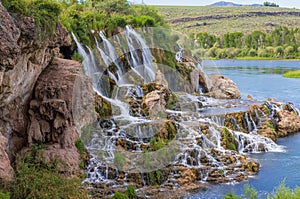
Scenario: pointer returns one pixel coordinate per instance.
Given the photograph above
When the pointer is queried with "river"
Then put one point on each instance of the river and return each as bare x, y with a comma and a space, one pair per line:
262, 79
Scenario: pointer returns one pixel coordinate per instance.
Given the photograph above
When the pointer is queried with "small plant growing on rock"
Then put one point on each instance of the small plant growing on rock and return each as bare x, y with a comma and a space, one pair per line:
80, 148
229, 140
271, 126
156, 144
119, 195
131, 192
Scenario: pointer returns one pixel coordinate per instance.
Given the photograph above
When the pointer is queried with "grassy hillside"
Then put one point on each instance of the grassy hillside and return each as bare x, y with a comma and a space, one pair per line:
220, 20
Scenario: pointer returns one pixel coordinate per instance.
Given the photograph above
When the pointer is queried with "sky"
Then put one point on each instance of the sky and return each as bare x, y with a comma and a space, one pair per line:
281, 3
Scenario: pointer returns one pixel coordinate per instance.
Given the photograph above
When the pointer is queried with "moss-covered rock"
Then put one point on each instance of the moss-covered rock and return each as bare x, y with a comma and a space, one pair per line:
173, 100
102, 107
228, 140
236, 121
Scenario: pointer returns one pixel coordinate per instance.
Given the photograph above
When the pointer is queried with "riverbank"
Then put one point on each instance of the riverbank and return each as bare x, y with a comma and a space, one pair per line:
292, 74
251, 58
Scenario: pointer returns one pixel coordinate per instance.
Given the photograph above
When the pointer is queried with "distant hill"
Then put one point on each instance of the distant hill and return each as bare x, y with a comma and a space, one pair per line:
225, 3
219, 20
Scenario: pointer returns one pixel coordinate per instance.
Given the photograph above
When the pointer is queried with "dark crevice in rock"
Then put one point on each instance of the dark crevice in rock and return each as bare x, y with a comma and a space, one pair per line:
67, 52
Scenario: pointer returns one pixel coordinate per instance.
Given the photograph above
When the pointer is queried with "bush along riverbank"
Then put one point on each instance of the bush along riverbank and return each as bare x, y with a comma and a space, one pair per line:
281, 43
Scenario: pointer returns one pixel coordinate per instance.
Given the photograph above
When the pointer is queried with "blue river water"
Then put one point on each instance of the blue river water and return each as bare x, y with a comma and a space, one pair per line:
261, 80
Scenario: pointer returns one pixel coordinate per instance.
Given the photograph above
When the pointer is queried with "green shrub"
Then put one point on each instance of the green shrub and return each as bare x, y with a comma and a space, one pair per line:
4, 195
119, 195
36, 178
289, 52
220, 53
285, 192
115, 21
250, 192
76, 56
150, 11
252, 53
279, 51
15, 6
83, 17
262, 52
282, 192
45, 12
131, 192
271, 126
156, 144
231, 195
80, 148
143, 21
212, 52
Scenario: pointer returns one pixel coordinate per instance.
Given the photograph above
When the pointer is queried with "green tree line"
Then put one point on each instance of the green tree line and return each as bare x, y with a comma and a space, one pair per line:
280, 43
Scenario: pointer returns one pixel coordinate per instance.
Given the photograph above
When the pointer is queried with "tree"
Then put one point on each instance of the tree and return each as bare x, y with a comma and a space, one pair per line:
270, 4
205, 40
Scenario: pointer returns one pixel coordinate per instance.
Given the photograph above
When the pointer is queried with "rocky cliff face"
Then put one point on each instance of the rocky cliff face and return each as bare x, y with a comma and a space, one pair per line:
46, 115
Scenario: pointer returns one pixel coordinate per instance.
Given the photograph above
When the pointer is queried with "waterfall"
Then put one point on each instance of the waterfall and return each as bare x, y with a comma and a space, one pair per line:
111, 53
179, 54
127, 136
136, 43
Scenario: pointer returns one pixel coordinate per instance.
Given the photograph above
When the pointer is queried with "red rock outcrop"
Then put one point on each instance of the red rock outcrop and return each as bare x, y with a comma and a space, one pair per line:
24, 56
52, 107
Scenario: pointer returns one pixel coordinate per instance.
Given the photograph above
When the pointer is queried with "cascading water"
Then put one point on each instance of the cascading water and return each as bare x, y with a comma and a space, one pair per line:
125, 147
179, 54
111, 56
136, 43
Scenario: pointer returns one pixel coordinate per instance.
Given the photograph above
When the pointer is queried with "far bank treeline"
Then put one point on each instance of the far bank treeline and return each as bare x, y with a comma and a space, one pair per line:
82, 16
281, 43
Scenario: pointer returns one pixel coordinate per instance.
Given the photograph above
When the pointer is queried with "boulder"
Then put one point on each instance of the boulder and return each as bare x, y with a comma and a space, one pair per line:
223, 88
156, 100
199, 81
188, 176
289, 122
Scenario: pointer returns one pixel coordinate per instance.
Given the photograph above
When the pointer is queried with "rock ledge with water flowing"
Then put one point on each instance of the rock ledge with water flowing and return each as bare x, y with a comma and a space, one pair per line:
168, 131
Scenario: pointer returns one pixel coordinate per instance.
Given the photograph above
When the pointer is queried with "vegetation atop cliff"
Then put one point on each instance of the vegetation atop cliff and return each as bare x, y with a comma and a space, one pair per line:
44, 12
80, 17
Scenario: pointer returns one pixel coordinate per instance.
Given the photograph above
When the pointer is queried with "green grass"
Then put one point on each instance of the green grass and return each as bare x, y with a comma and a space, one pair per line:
37, 178
292, 74
232, 24
257, 58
